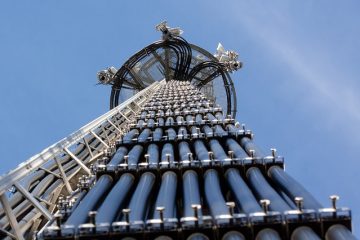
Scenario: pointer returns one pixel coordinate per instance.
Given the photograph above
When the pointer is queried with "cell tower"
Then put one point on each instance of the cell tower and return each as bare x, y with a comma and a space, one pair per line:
170, 162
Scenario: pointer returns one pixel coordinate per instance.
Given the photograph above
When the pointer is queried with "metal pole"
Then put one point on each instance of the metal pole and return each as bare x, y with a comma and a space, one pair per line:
184, 151
138, 203
166, 195
134, 156
130, 135
191, 193
218, 150
99, 138
167, 153
88, 203
263, 190
153, 153
236, 148
115, 199
292, 188
36, 203
106, 134
143, 137
200, 150
10, 215
9, 234
249, 147
243, 195
112, 124
213, 194
78, 161
118, 156
63, 176
88, 147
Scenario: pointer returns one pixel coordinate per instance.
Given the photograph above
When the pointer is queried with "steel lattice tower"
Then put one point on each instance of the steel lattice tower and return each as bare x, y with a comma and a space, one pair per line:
171, 162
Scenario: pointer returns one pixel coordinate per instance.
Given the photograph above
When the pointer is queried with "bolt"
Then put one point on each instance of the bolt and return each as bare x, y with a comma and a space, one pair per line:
334, 199
126, 158
196, 208
161, 213
168, 158
190, 157
60, 202
299, 203
92, 215
183, 132
231, 154
231, 206
265, 205
273, 152
252, 152
126, 212
147, 158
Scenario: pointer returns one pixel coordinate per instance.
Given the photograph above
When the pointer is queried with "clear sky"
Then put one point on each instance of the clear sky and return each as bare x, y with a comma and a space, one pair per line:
299, 89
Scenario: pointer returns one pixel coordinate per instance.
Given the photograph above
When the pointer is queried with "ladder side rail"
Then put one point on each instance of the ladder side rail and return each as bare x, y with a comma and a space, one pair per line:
7, 180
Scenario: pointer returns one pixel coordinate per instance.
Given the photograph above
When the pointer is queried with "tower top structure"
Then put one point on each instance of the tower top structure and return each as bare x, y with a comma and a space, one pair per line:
173, 57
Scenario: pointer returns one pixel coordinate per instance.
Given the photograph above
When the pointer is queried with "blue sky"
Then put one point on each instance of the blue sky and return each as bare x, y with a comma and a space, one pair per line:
298, 90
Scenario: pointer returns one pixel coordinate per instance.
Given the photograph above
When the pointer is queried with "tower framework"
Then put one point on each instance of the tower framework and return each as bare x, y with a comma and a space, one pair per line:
171, 162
